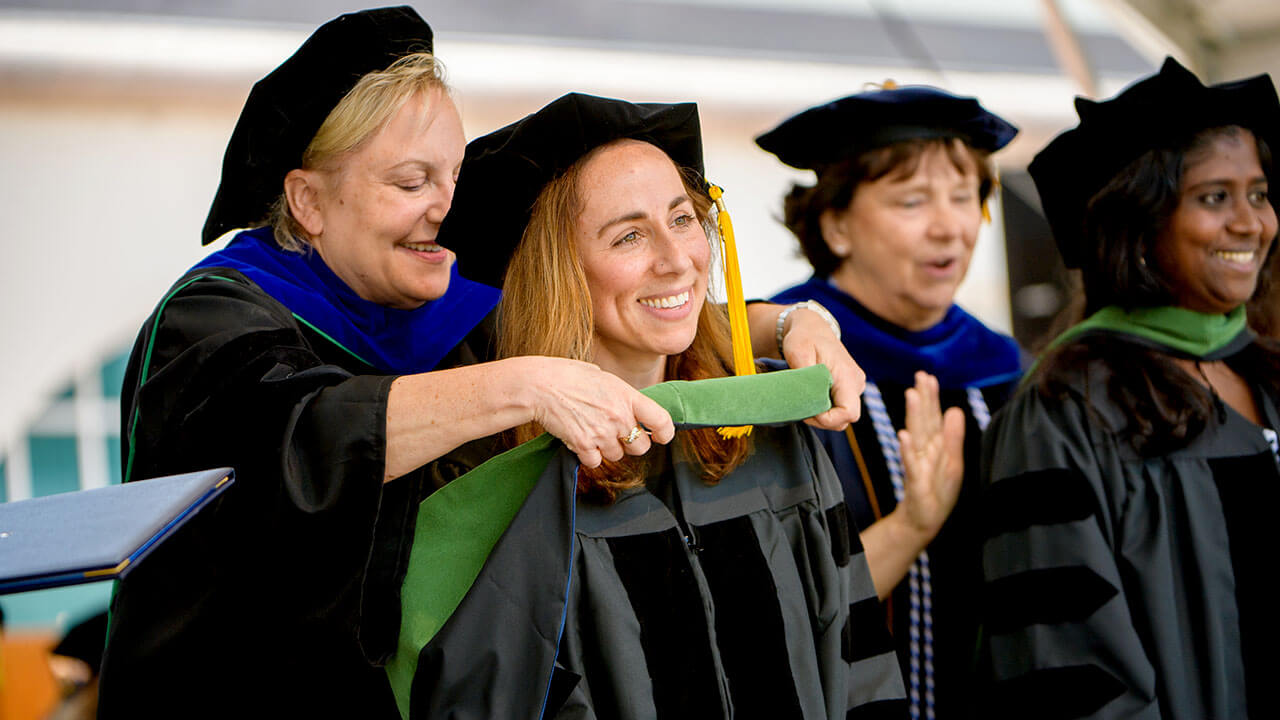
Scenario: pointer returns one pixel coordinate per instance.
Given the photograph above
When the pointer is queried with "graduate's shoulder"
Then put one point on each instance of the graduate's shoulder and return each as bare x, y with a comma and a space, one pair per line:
789, 463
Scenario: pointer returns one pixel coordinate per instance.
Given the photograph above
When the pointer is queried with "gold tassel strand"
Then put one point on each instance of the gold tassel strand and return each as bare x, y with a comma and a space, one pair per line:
986, 204
744, 363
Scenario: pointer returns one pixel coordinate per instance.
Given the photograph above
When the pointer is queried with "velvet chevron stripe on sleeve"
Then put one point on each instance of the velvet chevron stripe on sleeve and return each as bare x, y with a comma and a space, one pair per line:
732, 600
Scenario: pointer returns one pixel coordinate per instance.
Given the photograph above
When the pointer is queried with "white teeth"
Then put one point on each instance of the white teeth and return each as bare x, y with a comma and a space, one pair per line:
423, 247
1239, 256
673, 301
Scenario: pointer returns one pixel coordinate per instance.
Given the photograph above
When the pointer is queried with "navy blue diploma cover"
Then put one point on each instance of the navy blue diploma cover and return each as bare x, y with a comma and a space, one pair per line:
98, 534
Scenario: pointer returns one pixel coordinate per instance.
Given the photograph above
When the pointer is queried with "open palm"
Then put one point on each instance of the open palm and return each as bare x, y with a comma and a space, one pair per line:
932, 457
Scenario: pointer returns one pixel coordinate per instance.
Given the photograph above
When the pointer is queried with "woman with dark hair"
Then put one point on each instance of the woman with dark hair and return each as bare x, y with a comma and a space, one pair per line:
1134, 477
903, 175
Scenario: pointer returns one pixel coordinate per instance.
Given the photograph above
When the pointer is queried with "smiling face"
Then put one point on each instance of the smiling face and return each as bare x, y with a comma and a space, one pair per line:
1211, 251
377, 212
645, 256
906, 241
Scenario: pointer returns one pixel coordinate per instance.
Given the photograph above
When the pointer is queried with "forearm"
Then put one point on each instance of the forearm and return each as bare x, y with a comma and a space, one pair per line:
891, 544
593, 412
807, 338
432, 413
762, 320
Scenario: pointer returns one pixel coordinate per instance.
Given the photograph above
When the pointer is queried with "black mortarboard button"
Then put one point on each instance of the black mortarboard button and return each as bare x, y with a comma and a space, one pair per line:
504, 172
287, 107
1163, 110
844, 128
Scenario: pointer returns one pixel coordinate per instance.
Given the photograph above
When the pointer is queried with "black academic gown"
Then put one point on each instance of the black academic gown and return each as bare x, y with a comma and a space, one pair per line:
278, 599
954, 554
977, 369
1123, 586
747, 598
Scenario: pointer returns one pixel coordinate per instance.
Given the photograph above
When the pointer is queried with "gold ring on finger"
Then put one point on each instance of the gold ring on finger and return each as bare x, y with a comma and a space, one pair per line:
631, 436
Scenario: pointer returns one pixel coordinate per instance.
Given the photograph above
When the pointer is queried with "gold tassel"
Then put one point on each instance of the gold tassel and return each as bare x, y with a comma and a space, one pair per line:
986, 204
744, 363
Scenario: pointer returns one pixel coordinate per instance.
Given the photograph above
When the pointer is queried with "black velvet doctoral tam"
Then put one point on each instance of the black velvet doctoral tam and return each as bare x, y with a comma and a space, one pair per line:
286, 108
504, 172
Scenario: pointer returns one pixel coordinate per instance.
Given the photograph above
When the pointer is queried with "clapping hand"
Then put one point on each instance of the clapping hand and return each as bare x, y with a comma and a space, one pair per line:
932, 457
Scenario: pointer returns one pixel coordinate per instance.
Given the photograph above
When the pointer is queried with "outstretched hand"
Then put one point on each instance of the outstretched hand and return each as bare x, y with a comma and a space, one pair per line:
932, 457
809, 341
594, 412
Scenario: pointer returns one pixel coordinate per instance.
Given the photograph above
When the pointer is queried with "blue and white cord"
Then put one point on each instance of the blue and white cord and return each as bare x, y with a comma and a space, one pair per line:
919, 577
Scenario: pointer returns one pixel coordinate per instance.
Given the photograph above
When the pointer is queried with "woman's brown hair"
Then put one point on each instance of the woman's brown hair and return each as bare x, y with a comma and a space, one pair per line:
546, 310
804, 205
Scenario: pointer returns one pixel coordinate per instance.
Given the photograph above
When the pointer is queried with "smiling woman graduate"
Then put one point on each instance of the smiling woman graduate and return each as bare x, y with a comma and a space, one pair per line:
717, 580
1134, 480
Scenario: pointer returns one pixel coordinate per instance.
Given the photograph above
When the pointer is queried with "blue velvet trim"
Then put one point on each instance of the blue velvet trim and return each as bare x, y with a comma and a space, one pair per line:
960, 351
392, 341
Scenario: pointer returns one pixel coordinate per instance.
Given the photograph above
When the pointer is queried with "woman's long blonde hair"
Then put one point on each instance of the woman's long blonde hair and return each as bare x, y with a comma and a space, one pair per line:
546, 310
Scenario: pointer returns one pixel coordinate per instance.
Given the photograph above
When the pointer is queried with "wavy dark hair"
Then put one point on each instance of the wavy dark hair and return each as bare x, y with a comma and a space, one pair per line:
1166, 407
803, 206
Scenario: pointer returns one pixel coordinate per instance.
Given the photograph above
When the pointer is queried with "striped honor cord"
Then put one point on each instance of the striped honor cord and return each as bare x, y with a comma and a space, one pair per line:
978, 405
919, 577
918, 585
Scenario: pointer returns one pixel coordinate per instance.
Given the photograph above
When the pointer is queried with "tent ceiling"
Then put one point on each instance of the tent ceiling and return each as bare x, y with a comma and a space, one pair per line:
931, 35
1220, 39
